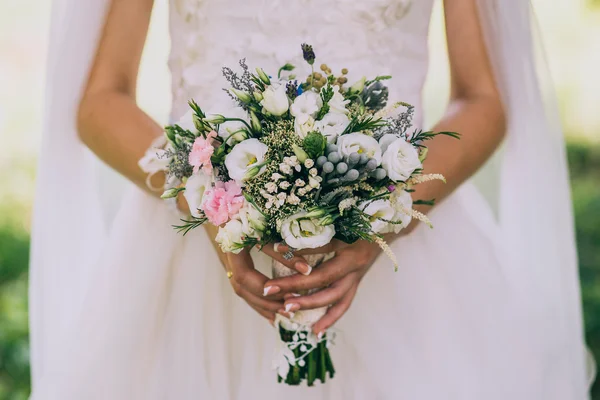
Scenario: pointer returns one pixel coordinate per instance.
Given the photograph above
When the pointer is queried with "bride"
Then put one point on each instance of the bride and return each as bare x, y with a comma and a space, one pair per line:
485, 306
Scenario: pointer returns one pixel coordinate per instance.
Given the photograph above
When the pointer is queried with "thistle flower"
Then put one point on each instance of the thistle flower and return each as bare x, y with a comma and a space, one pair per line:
308, 53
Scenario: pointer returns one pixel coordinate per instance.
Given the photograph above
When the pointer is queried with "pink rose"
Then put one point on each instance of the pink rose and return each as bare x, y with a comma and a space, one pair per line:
222, 202
201, 152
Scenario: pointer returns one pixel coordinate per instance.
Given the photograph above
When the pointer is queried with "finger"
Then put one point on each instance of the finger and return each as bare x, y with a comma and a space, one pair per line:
245, 275
322, 298
266, 314
329, 272
254, 301
296, 263
335, 312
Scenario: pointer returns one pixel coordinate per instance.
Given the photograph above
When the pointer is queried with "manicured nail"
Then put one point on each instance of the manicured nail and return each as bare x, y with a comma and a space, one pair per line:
292, 307
271, 290
320, 335
303, 268
281, 247
288, 296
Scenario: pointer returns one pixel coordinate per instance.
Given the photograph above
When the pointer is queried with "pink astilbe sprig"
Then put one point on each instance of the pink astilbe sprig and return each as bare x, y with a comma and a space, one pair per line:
202, 150
222, 202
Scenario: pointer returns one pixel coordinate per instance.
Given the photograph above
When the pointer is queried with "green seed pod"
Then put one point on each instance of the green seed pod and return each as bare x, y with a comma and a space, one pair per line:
331, 148
341, 168
321, 161
353, 159
328, 167
371, 165
351, 175
334, 157
379, 174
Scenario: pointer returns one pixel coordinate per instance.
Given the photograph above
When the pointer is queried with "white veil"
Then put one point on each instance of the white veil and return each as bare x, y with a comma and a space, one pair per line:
535, 211
535, 207
68, 226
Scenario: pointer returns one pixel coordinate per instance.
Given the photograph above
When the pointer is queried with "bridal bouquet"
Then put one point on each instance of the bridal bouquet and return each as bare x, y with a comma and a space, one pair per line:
299, 161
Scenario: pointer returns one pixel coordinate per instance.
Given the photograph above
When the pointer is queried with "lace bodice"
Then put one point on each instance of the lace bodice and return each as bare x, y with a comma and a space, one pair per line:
367, 37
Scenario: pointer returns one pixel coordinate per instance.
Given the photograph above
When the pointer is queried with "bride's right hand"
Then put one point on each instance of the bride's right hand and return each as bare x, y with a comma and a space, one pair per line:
248, 284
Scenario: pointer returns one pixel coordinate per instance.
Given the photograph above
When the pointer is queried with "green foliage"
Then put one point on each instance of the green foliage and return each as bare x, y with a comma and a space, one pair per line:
14, 347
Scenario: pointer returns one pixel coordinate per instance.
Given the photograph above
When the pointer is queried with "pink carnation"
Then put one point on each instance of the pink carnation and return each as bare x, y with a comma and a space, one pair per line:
222, 202
201, 152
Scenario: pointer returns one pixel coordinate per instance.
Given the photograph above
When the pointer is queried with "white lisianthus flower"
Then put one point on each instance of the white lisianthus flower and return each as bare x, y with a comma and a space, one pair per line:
231, 237
275, 100
359, 143
400, 160
156, 159
234, 131
253, 222
244, 157
306, 106
402, 200
332, 125
195, 187
379, 209
305, 233
304, 129
386, 140
187, 121
338, 103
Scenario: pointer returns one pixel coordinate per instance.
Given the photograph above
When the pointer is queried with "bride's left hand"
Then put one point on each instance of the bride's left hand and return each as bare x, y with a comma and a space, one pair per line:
339, 277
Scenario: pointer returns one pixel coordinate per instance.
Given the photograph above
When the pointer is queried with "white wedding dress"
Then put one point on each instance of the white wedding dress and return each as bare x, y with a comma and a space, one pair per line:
152, 315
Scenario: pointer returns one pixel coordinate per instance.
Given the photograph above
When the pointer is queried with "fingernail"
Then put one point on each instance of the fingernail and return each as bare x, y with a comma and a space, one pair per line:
303, 268
288, 296
292, 307
291, 315
281, 247
320, 335
271, 290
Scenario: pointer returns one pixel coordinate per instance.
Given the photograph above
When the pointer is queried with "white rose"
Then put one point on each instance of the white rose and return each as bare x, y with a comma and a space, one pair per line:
243, 157
359, 143
275, 100
253, 222
304, 129
305, 106
231, 237
400, 160
332, 125
195, 187
402, 200
337, 104
305, 233
379, 209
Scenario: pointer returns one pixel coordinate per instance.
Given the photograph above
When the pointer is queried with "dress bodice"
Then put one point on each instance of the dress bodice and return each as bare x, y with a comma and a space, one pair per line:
375, 37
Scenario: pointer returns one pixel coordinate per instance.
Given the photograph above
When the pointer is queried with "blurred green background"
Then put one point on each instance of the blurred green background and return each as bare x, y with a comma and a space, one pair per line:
570, 31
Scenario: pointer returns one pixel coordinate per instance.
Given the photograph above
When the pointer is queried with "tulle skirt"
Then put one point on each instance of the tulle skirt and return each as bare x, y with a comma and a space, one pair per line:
160, 321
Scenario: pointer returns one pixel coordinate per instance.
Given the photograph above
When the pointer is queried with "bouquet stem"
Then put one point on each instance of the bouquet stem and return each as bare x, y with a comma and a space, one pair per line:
303, 356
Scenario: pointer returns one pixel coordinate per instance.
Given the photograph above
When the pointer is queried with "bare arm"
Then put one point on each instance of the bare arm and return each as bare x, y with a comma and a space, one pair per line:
475, 111
113, 126
110, 122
